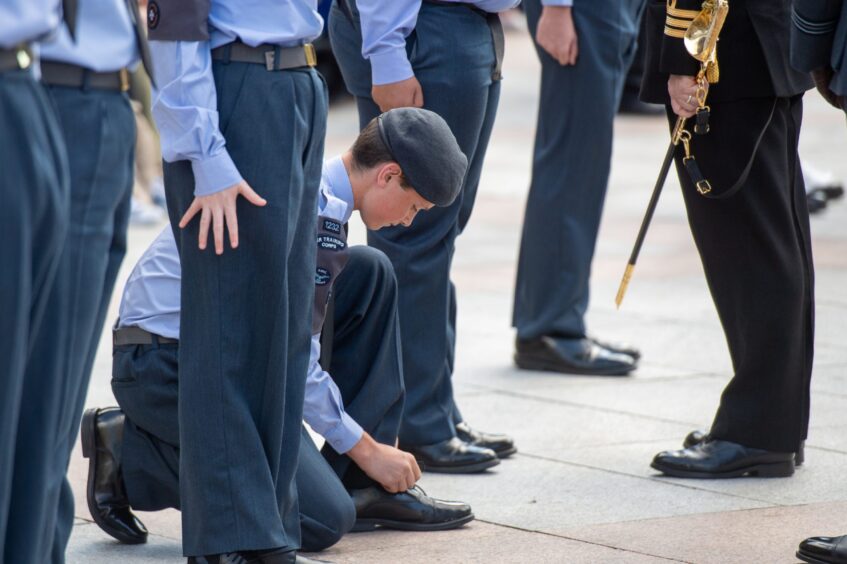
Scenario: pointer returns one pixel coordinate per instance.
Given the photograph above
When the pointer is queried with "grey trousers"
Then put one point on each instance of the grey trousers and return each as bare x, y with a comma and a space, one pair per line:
570, 167
365, 365
246, 316
33, 225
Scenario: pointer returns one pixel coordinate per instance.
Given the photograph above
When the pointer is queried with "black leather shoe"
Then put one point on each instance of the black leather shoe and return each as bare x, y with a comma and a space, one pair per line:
723, 459
272, 556
621, 348
102, 436
824, 550
571, 356
411, 510
698, 436
502, 445
453, 456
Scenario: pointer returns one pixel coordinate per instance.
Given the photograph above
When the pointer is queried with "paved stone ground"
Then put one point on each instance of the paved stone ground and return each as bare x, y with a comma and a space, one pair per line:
580, 489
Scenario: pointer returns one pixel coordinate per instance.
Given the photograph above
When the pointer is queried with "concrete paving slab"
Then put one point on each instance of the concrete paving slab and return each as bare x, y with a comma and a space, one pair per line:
738, 537
819, 480
546, 495
476, 543
89, 545
830, 379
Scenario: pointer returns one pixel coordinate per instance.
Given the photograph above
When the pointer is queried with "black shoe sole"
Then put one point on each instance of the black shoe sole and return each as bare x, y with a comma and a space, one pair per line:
460, 469
529, 363
88, 436
364, 525
811, 559
771, 470
506, 453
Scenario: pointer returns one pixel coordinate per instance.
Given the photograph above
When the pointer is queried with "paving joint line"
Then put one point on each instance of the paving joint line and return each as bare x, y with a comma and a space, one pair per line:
579, 540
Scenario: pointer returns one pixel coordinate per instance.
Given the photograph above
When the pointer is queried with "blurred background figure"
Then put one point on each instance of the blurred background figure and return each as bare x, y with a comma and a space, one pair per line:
821, 187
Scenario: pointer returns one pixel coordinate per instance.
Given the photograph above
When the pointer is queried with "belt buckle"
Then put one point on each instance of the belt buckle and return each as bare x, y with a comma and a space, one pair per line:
311, 54
124, 76
23, 57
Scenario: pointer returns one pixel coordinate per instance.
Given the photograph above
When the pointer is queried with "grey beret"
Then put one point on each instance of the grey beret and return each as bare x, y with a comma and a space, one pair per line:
423, 145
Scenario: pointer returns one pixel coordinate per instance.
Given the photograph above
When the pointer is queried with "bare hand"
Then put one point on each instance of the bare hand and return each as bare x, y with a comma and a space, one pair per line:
823, 78
218, 209
404, 94
683, 94
393, 469
556, 34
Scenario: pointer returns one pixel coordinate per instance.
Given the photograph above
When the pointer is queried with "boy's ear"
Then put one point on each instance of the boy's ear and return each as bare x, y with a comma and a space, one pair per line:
387, 171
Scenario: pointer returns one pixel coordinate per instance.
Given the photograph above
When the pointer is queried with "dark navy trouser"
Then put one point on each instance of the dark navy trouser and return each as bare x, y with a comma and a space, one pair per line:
570, 167
33, 226
246, 316
99, 131
366, 367
452, 53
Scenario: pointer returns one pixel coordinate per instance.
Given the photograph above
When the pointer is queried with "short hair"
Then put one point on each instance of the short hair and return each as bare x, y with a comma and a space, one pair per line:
369, 151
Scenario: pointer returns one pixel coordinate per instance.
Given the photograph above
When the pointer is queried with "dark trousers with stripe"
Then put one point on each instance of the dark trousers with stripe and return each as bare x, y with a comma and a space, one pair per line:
33, 227
452, 53
99, 131
756, 251
245, 330
366, 366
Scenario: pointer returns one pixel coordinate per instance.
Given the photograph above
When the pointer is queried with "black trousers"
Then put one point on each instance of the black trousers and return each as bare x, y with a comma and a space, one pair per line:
756, 251
366, 366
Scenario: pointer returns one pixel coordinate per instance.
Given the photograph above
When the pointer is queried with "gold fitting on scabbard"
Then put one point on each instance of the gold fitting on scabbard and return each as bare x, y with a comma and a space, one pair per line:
627, 276
703, 187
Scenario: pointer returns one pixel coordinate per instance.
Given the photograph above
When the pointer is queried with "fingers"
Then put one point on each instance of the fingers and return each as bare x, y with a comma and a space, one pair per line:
232, 226
416, 470
205, 220
251, 195
573, 51
192, 211
417, 99
218, 229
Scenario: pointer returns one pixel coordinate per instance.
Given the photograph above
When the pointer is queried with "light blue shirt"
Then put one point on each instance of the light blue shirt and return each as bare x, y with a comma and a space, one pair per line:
185, 103
151, 300
387, 23
27, 20
105, 38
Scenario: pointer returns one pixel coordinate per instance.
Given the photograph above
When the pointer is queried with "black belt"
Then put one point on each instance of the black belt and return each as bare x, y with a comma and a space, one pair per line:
273, 57
73, 76
492, 18
17, 58
138, 336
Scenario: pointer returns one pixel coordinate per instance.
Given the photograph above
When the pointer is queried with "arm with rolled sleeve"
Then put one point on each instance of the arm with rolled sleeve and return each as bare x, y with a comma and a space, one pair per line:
185, 109
323, 408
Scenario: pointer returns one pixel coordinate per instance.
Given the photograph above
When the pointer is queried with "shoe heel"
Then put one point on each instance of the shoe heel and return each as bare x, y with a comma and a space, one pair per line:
87, 430
775, 470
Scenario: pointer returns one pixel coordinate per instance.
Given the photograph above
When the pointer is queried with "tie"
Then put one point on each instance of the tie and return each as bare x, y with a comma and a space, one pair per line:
69, 15
140, 38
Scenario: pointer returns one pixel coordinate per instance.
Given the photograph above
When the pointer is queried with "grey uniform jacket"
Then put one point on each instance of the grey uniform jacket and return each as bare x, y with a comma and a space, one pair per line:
819, 38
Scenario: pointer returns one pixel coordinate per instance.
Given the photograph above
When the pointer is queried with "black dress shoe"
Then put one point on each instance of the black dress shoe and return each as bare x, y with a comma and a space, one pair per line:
411, 510
271, 556
102, 437
502, 445
824, 550
723, 459
697, 436
621, 348
453, 456
571, 356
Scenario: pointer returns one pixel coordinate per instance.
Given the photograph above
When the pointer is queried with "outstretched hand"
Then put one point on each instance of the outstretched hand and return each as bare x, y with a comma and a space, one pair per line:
217, 210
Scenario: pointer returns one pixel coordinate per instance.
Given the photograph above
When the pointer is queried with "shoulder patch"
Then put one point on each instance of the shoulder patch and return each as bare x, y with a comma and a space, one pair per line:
152, 15
333, 226
330, 243
322, 276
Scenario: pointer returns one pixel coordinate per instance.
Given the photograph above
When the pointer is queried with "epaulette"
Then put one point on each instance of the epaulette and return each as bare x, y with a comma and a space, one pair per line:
678, 20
